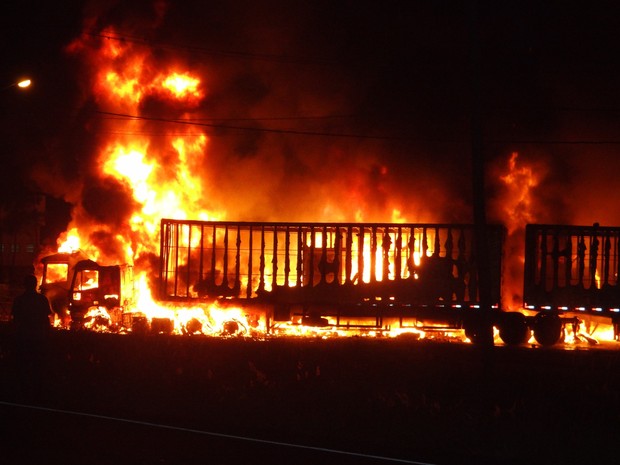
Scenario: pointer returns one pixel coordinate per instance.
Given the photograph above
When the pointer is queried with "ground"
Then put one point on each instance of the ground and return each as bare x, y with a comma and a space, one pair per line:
166, 399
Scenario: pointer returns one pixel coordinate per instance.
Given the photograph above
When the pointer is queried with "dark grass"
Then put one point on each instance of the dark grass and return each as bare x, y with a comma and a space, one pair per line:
418, 400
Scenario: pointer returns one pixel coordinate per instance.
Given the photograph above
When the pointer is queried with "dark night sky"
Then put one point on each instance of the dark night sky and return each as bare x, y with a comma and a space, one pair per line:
399, 72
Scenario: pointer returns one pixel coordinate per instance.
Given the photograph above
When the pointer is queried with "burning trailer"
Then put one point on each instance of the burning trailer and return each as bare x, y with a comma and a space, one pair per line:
570, 273
395, 276
370, 276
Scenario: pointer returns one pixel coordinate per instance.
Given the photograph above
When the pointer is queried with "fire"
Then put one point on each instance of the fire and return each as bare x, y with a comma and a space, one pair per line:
182, 86
129, 164
163, 173
57, 272
520, 180
203, 318
70, 242
123, 88
515, 208
172, 187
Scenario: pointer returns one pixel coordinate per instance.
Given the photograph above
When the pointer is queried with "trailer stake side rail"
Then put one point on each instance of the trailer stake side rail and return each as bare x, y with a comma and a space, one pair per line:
572, 269
341, 269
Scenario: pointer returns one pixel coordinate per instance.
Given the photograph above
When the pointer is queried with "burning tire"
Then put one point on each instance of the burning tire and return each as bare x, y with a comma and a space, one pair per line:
548, 328
513, 328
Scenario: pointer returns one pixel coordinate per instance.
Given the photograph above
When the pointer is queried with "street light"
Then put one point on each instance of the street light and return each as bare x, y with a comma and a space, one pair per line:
22, 84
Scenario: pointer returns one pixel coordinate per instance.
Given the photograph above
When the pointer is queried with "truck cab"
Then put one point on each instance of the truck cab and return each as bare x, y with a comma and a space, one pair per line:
58, 272
76, 285
108, 289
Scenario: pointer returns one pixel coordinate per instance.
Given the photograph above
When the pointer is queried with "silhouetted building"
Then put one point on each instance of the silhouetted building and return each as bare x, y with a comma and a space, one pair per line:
21, 220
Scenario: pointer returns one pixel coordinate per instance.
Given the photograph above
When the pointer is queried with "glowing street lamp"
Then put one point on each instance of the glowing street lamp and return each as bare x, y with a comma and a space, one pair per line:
23, 84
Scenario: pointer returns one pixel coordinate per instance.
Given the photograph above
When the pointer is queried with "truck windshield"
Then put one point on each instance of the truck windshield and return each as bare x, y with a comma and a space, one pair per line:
87, 279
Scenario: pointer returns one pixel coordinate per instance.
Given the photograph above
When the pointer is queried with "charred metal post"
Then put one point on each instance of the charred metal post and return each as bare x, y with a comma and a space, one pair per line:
386, 245
176, 258
261, 285
594, 243
581, 257
398, 254
373, 254
349, 256
360, 254
163, 259
188, 259
323, 260
201, 254
568, 255
225, 259
211, 279
337, 255
449, 244
606, 260
556, 261
310, 282
238, 260
287, 258
481, 241
274, 259
300, 251
248, 292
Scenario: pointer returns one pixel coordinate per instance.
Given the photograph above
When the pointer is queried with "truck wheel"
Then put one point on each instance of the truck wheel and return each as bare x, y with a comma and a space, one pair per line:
477, 331
547, 328
513, 329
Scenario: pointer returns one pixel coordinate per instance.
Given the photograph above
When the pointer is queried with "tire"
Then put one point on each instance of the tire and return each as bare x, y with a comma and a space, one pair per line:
477, 331
513, 328
548, 328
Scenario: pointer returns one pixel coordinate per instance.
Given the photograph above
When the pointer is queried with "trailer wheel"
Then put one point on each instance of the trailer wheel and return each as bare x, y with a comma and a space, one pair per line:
472, 333
548, 328
513, 329
477, 331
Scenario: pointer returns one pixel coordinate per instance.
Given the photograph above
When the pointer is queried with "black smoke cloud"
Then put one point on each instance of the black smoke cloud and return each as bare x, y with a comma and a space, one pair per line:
397, 74
108, 201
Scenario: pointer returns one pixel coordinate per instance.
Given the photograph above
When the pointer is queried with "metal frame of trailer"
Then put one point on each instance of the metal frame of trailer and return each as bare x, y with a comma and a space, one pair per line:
340, 270
572, 269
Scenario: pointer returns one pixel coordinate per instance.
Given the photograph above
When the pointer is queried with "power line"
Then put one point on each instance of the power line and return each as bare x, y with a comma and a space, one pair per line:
273, 118
250, 128
191, 122
552, 108
554, 142
207, 51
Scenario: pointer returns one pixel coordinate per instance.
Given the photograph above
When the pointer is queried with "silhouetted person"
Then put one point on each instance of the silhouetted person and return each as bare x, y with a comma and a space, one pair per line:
31, 321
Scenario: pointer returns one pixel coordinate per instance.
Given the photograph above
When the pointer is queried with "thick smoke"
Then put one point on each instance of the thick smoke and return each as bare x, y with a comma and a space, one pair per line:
277, 80
272, 96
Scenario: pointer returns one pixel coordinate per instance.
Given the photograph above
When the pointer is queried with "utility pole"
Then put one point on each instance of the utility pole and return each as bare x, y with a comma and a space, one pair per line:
484, 324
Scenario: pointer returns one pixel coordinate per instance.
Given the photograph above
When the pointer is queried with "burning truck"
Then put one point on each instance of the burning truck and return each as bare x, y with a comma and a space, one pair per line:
351, 277
84, 293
